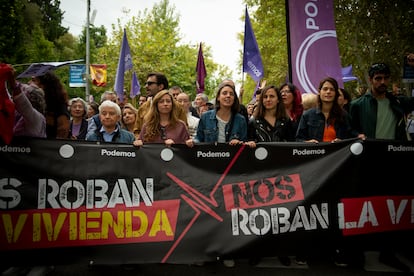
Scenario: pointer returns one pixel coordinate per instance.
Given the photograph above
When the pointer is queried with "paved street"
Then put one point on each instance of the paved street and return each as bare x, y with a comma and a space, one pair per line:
267, 266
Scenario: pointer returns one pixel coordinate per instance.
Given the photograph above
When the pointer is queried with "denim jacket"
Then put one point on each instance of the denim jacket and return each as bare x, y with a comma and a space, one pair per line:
312, 126
207, 130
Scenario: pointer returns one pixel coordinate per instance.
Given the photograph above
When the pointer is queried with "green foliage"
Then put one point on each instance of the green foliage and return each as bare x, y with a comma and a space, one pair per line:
374, 31
154, 39
367, 31
12, 30
51, 18
269, 26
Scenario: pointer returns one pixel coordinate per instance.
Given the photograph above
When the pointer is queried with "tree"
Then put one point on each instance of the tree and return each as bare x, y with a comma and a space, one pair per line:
51, 18
11, 31
373, 31
367, 31
269, 25
155, 43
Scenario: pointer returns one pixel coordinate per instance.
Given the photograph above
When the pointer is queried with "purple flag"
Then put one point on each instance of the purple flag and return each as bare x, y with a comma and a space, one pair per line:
313, 45
135, 87
124, 63
201, 71
347, 74
252, 61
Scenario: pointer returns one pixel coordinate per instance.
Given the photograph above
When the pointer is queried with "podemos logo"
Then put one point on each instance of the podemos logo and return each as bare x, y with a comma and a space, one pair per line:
7, 148
117, 153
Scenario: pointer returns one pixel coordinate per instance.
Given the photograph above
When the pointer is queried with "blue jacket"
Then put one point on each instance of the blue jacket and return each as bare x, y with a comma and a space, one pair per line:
312, 126
207, 130
121, 136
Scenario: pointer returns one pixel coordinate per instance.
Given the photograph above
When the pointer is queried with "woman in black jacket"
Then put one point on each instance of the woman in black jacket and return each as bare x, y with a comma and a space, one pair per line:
270, 121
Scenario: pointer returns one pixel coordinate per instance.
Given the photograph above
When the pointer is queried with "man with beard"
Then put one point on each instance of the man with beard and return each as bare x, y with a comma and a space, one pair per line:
378, 113
155, 83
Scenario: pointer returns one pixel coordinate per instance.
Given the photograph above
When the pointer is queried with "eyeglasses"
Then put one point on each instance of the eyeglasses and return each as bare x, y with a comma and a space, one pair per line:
285, 91
163, 133
379, 67
148, 83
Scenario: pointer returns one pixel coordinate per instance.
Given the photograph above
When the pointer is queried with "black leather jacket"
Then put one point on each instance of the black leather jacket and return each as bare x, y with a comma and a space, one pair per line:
259, 130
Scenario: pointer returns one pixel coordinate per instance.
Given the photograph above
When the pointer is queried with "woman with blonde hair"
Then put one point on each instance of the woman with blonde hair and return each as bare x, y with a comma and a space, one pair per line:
129, 116
162, 123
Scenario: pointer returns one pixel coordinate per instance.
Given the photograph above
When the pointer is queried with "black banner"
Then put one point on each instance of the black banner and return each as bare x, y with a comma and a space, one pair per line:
116, 203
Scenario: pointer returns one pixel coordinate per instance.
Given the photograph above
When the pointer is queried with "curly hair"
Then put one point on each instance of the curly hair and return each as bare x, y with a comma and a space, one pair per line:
55, 93
152, 117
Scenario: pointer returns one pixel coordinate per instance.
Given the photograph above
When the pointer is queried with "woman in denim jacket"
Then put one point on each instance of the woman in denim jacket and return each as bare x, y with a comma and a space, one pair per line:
223, 124
327, 122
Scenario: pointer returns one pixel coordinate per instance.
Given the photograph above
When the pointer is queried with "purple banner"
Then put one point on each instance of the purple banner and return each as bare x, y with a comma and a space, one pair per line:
252, 61
313, 44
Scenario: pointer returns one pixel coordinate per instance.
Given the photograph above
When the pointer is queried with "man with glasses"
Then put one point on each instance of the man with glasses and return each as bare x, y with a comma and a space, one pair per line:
155, 83
378, 113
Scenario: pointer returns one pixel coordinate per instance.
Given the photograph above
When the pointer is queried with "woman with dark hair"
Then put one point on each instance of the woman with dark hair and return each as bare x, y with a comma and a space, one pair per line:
344, 99
224, 124
328, 122
57, 114
292, 98
93, 109
270, 122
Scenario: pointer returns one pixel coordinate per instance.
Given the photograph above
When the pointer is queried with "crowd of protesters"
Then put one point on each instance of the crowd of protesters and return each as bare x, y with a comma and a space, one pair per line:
277, 113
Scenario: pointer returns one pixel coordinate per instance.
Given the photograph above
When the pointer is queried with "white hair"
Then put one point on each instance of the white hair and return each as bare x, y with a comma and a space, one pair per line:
108, 103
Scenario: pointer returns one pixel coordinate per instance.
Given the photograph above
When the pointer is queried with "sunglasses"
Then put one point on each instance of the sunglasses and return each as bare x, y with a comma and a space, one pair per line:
379, 66
163, 133
148, 83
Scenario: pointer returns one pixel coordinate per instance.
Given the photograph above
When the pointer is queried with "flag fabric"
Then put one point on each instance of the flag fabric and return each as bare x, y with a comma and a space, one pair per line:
201, 71
347, 74
252, 61
124, 64
41, 68
7, 107
98, 74
313, 46
135, 86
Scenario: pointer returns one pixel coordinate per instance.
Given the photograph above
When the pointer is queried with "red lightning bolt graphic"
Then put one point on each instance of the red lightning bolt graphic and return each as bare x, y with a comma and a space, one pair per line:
197, 201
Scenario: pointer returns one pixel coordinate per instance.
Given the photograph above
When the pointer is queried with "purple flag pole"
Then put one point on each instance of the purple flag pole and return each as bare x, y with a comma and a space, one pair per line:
124, 63
252, 61
135, 86
201, 71
314, 52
